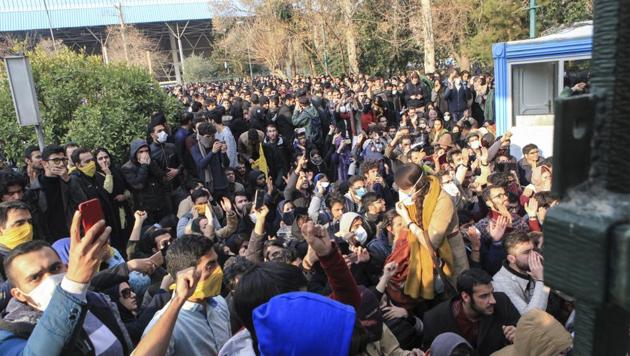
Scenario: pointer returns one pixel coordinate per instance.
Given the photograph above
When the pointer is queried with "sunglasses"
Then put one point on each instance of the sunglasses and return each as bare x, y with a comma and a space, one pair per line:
126, 293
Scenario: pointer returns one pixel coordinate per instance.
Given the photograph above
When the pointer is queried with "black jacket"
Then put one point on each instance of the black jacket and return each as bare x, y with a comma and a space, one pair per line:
490, 339
145, 181
417, 90
71, 196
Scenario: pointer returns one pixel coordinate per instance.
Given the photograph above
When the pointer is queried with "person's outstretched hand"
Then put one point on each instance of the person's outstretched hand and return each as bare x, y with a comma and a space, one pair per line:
86, 252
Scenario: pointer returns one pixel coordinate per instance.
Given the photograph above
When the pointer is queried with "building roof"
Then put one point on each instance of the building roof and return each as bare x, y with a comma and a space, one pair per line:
25, 15
575, 31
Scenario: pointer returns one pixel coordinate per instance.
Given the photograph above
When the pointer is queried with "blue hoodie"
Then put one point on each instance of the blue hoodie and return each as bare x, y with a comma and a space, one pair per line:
303, 323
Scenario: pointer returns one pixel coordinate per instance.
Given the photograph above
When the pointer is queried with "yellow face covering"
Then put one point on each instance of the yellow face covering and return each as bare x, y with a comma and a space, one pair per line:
201, 208
211, 287
17, 235
89, 169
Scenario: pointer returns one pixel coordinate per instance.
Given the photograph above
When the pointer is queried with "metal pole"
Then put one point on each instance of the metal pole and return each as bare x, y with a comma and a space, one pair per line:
40, 137
52, 35
532, 18
179, 45
178, 76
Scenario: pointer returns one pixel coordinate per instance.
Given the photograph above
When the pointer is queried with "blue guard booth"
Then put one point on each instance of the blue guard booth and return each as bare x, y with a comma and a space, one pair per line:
530, 74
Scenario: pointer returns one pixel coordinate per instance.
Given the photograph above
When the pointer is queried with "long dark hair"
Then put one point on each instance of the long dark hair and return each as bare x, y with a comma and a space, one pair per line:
411, 175
111, 158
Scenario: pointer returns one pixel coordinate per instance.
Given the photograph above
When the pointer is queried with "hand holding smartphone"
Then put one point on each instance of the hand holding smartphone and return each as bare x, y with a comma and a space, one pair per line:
91, 213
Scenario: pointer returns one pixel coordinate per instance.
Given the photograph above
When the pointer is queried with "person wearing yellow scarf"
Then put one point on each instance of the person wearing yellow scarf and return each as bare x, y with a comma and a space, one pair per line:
429, 217
15, 224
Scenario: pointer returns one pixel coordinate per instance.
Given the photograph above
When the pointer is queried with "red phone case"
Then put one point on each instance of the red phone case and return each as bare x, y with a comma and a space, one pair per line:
91, 213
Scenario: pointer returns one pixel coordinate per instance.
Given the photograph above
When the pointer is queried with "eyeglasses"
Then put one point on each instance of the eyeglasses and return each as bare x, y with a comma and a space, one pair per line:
126, 293
57, 160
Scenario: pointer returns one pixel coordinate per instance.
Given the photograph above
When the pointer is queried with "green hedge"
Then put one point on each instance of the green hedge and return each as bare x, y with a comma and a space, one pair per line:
85, 101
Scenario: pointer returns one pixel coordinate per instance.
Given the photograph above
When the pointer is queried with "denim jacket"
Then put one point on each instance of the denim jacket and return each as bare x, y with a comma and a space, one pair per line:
58, 330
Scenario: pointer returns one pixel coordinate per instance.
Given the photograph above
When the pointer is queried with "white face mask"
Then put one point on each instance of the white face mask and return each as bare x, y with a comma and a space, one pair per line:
325, 184
394, 92
475, 144
406, 199
162, 136
42, 294
361, 235
447, 118
252, 217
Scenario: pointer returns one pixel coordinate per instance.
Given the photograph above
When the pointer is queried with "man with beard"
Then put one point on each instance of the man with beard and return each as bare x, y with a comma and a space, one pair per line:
486, 319
521, 277
495, 225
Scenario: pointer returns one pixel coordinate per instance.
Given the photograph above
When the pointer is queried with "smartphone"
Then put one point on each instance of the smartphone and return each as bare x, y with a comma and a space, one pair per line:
91, 213
259, 199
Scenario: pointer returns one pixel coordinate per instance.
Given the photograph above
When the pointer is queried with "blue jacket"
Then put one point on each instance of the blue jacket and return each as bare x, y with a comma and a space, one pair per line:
26, 331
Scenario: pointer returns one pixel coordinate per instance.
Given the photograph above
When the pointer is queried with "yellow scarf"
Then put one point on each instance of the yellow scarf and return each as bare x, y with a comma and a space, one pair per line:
210, 287
17, 235
419, 282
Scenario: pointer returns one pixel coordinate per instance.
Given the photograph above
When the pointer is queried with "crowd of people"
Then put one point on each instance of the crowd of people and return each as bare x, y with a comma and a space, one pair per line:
311, 216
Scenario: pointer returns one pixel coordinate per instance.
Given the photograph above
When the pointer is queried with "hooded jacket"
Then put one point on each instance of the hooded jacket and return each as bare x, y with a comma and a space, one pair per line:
538, 334
145, 181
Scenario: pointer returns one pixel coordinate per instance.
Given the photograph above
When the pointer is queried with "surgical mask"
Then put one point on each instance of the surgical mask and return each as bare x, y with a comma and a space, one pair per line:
475, 144
406, 199
394, 92
211, 287
162, 136
17, 235
252, 217
451, 189
360, 235
447, 118
89, 169
325, 185
42, 294
360, 192
458, 81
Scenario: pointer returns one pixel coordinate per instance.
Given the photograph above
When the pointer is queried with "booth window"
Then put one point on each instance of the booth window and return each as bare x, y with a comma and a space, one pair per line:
535, 86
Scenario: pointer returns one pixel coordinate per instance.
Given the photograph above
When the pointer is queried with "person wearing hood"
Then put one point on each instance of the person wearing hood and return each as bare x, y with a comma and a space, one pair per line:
165, 155
145, 179
134, 317
211, 159
538, 334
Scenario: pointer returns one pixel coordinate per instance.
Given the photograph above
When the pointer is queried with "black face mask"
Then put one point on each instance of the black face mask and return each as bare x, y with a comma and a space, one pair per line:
367, 108
288, 217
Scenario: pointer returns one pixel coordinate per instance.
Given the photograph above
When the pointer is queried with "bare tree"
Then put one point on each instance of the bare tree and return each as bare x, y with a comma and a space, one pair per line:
133, 48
